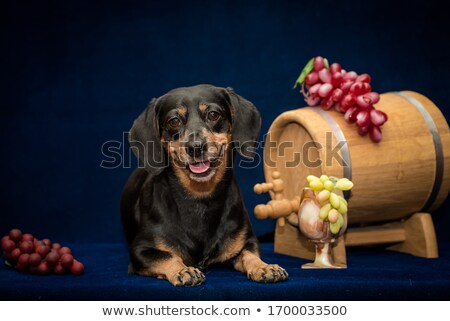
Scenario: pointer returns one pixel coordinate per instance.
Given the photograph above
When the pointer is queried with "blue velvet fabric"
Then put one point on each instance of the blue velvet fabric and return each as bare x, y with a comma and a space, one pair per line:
372, 274
75, 75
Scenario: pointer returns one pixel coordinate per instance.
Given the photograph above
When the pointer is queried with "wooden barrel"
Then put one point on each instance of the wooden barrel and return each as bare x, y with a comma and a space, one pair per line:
407, 172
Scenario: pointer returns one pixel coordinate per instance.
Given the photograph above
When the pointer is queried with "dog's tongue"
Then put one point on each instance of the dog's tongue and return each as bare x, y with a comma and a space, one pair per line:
199, 167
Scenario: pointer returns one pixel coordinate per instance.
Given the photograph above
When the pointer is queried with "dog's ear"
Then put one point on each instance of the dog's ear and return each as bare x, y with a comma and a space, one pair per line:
145, 140
246, 124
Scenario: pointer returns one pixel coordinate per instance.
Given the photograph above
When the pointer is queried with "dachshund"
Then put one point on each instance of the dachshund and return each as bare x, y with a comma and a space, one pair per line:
181, 208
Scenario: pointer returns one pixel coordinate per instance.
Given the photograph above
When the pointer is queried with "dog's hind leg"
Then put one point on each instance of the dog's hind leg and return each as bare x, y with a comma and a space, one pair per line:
249, 262
165, 265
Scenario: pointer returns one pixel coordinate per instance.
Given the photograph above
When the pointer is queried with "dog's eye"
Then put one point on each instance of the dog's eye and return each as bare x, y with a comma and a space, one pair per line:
213, 116
174, 122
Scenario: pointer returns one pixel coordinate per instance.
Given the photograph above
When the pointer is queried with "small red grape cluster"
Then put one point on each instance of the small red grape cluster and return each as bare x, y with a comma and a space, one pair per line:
349, 93
27, 253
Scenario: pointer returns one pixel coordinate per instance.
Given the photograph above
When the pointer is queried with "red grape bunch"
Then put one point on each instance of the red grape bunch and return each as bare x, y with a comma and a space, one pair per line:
27, 253
349, 93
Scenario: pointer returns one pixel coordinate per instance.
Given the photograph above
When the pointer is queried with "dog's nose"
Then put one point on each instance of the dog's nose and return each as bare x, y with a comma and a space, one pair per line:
195, 148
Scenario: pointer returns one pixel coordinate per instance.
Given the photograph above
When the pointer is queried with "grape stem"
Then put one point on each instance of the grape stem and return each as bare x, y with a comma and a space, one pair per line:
302, 90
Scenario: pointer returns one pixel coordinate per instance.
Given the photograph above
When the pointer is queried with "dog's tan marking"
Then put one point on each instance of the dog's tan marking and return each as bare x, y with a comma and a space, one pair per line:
233, 247
216, 140
162, 246
202, 107
199, 189
182, 111
175, 271
172, 269
164, 269
258, 271
248, 261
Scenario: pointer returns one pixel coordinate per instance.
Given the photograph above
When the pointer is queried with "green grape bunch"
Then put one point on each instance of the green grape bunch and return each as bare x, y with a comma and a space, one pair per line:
328, 191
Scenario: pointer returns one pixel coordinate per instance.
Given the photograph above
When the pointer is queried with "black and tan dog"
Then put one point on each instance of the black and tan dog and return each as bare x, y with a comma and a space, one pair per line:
183, 211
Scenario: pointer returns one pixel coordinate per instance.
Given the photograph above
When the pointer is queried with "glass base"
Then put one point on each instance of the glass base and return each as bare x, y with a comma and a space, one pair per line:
323, 259
323, 266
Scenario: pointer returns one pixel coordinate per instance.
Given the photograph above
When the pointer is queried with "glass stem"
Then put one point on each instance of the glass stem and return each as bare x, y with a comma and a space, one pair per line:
323, 255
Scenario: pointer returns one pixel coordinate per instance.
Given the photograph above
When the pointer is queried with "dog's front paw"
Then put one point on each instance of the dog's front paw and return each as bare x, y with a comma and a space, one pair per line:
271, 273
189, 276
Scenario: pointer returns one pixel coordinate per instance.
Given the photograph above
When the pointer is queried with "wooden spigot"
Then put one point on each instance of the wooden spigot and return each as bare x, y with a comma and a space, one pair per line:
279, 207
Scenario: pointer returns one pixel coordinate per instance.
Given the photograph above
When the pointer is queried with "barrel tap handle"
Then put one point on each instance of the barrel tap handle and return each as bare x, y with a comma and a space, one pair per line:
277, 187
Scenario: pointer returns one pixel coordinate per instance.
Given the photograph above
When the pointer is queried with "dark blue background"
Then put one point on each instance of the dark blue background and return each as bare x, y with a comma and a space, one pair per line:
75, 74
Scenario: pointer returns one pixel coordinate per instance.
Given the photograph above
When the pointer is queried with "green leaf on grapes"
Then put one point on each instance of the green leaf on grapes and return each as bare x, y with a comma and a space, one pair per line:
306, 70
7, 263
325, 62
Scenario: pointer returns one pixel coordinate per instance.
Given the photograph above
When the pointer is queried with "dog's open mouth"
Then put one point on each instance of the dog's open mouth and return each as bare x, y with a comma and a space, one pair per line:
200, 168
201, 171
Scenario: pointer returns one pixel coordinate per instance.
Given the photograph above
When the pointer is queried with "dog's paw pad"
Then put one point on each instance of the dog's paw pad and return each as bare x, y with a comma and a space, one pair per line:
188, 276
271, 273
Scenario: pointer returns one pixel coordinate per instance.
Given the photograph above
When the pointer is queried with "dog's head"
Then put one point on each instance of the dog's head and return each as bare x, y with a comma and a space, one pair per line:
194, 129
